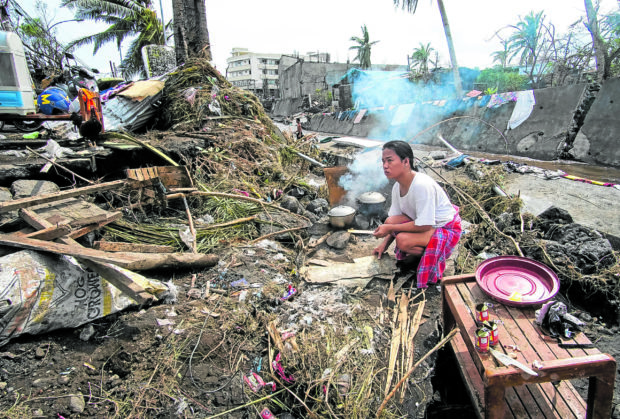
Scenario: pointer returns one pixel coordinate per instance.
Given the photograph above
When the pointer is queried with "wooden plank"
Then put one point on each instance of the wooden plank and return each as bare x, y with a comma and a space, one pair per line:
120, 280
44, 198
132, 247
49, 233
464, 321
458, 278
101, 219
38, 221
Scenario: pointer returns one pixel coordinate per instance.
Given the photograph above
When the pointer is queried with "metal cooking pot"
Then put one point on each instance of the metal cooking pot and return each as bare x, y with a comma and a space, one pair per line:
341, 216
371, 203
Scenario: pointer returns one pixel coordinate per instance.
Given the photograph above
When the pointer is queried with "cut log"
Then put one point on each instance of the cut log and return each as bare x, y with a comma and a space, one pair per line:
132, 247
132, 261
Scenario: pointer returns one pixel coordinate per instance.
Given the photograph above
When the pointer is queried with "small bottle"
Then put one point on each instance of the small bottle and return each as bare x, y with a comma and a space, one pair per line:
266, 414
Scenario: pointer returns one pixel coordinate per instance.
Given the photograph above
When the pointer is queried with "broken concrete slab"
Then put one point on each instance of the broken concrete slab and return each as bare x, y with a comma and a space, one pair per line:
25, 188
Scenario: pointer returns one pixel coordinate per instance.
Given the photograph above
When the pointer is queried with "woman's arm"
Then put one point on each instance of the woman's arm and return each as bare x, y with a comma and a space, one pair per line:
410, 227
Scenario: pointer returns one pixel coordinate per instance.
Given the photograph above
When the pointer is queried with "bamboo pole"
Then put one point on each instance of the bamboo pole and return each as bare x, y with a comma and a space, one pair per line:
190, 220
441, 344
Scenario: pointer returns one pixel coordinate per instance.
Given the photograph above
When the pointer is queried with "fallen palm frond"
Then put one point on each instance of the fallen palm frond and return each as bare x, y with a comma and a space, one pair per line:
208, 237
131, 139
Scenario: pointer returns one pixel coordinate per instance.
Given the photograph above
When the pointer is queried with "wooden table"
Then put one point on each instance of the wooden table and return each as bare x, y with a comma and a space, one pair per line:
498, 391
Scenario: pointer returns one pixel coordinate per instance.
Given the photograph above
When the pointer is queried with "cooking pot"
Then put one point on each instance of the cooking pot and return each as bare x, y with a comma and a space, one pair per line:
341, 216
371, 203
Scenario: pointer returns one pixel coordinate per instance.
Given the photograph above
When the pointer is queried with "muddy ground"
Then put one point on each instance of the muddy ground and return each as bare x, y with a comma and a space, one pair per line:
192, 367
187, 358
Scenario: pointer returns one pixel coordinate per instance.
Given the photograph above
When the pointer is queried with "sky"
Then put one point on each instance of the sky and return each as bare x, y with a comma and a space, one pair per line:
285, 26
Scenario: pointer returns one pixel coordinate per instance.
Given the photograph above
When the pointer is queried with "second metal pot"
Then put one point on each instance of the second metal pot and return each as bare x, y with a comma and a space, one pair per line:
371, 204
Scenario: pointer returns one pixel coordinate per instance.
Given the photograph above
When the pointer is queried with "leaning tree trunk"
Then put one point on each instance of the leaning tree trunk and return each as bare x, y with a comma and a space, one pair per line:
600, 49
455, 67
191, 36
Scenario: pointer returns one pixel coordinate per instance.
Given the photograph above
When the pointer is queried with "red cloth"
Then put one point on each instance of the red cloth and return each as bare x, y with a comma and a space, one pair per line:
439, 248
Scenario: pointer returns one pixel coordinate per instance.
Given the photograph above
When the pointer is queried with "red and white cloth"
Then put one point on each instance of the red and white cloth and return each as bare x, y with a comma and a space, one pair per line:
439, 248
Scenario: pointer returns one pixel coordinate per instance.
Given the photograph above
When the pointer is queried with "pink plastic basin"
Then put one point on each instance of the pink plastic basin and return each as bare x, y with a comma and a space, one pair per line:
517, 281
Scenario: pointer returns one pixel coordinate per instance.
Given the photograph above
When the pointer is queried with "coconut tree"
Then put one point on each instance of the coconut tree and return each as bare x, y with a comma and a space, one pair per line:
501, 57
127, 19
529, 42
421, 57
411, 6
363, 48
191, 36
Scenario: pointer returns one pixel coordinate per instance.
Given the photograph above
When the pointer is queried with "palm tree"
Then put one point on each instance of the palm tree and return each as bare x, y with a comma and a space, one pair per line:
527, 41
127, 18
501, 57
363, 48
411, 6
421, 57
191, 35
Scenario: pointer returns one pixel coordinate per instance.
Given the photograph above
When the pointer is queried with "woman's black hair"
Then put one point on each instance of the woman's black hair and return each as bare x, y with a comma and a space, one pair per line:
402, 149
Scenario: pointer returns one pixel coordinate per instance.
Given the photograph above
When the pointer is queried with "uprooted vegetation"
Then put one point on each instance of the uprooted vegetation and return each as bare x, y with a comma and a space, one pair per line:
331, 353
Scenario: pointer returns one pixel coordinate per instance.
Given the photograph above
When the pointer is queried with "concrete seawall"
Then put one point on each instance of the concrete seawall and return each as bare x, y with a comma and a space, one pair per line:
559, 114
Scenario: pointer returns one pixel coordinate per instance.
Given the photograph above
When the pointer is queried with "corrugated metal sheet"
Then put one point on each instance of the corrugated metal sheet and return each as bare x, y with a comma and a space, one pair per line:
120, 113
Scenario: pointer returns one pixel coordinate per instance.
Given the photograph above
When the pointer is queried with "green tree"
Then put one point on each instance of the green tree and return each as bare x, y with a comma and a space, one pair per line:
532, 40
127, 19
421, 57
501, 57
363, 48
503, 79
411, 6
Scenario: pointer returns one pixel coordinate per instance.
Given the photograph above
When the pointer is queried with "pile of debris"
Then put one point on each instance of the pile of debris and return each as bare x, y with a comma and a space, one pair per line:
227, 218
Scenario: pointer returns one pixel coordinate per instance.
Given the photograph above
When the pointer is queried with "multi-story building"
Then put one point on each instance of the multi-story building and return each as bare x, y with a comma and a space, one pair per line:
254, 71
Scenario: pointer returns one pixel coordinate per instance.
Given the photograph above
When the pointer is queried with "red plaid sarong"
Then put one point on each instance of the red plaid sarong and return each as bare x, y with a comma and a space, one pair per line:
439, 248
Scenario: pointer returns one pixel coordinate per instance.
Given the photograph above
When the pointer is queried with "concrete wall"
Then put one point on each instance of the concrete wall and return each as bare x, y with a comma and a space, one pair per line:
286, 107
304, 78
470, 127
597, 140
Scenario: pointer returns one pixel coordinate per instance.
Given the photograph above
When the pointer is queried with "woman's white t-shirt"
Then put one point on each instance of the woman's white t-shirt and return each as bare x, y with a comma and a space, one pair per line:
426, 203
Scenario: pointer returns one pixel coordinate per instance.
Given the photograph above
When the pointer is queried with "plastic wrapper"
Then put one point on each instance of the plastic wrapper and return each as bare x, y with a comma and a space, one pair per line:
40, 293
